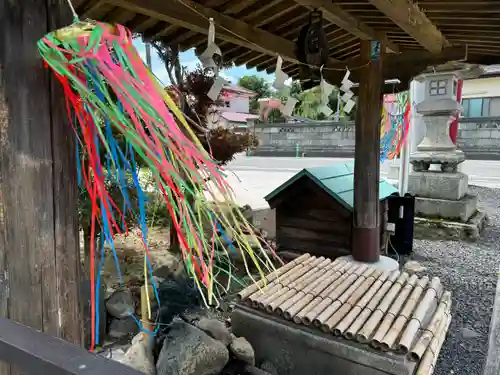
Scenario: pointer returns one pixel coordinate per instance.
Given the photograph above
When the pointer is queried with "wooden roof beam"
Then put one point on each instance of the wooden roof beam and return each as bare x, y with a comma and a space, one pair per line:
335, 14
414, 22
193, 16
410, 62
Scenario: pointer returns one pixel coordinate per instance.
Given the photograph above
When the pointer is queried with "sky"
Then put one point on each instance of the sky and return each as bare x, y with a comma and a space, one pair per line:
189, 60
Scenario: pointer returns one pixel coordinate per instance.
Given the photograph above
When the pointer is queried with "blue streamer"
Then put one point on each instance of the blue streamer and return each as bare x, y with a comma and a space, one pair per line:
98, 288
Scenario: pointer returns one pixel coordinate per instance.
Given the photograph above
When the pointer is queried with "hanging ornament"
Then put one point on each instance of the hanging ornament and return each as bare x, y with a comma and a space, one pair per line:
347, 96
326, 89
207, 57
312, 50
280, 76
289, 106
216, 88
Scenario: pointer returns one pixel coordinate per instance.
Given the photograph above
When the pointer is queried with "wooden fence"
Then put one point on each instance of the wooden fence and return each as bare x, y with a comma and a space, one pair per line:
35, 353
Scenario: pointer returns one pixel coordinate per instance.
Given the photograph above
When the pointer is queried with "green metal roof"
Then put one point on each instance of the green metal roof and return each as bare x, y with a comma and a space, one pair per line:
337, 180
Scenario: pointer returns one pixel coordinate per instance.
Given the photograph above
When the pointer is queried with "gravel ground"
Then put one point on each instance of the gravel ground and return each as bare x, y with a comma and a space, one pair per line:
469, 271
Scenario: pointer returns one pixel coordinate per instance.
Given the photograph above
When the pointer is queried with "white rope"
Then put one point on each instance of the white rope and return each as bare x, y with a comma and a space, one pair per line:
73, 11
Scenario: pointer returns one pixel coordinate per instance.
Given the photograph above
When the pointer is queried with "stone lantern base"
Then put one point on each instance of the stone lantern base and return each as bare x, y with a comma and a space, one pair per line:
443, 206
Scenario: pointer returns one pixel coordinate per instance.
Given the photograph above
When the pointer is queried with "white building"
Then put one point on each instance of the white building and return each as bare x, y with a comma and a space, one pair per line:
234, 111
481, 96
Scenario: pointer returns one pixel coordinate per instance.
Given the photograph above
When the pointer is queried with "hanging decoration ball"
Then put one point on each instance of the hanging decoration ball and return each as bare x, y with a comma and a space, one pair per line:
124, 119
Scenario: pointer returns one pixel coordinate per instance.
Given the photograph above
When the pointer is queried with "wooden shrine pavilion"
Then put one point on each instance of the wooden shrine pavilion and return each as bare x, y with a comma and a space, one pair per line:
38, 193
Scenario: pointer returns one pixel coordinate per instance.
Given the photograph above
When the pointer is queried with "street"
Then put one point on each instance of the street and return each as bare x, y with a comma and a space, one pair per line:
252, 178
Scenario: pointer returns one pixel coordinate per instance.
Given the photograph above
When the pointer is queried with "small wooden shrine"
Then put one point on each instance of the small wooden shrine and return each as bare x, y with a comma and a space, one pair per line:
314, 211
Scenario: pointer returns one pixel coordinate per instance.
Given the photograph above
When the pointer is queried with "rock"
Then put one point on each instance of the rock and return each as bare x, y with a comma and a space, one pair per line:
215, 329
468, 333
122, 328
177, 296
139, 356
120, 304
252, 370
413, 266
158, 280
109, 292
169, 265
187, 350
116, 354
269, 367
242, 350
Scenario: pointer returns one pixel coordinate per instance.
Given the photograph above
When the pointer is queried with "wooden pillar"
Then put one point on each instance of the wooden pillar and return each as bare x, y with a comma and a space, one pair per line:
39, 247
366, 229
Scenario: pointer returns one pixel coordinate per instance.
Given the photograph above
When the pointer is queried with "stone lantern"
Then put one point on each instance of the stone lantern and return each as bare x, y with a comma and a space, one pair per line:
442, 199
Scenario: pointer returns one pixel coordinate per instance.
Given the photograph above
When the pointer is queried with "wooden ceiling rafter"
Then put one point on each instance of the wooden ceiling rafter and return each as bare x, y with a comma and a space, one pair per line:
409, 17
141, 23
238, 51
167, 30
335, 14
244, 59
271, 62
335, 50
94, 8
193, 16
122, 16
253, 16
292, 34
247, 32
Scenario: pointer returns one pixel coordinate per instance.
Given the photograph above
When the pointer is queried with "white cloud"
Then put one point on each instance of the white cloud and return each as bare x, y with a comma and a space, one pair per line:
228, 77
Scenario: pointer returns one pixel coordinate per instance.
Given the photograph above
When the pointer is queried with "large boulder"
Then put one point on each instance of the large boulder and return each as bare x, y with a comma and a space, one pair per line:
120, 329
187, 350
139, 356
216, 329
121, 304
168, 265
177, 296
243, 350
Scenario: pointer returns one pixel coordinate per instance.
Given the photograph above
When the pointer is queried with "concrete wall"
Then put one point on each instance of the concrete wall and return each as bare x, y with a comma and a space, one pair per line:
311, 139
478, 138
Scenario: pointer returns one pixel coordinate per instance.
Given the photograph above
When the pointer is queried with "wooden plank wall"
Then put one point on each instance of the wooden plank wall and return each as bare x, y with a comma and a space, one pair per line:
310, 220
39, 249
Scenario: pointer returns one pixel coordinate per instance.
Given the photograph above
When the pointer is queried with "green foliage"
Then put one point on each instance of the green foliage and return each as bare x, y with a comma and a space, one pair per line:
310, 103
225, 143
258, 85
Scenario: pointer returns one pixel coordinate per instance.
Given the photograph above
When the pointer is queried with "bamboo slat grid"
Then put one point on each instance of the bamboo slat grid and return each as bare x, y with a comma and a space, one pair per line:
390, 311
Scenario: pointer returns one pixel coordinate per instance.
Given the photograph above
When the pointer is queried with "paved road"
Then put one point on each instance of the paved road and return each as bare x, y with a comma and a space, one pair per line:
254, 177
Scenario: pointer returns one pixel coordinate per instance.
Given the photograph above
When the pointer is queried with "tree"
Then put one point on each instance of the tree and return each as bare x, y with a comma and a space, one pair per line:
258, 85
309, 103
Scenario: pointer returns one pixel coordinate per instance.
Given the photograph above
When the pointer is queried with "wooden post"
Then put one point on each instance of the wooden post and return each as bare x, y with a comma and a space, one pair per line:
39, 247
366, 226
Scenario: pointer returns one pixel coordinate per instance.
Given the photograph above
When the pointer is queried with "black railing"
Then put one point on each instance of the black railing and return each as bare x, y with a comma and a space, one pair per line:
36, 353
